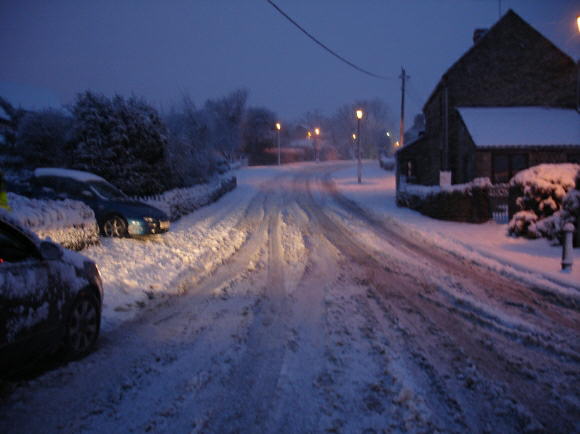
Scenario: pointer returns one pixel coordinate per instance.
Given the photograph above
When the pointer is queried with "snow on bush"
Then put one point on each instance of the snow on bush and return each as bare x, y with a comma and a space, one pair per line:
542, 191
181, 201
67, 222
553, 226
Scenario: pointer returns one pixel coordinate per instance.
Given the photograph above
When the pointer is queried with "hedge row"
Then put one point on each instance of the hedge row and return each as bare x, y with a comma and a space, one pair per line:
462, 203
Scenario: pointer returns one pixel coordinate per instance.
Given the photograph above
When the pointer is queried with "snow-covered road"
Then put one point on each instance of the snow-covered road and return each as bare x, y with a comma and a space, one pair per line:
321, 318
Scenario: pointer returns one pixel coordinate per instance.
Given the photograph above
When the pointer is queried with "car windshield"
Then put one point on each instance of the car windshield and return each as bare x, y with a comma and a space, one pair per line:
106, 190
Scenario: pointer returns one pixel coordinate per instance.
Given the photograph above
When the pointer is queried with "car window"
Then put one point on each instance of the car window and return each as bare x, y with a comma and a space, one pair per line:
106, 190
46, 184
14, 247
74, 188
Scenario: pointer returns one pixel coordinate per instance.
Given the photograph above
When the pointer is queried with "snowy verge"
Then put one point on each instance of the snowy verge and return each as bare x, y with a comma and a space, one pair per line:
482, 242
182, 201
140, 272
67, 222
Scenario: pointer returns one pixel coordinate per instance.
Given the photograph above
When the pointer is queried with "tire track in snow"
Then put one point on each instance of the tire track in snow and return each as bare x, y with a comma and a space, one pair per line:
526, 390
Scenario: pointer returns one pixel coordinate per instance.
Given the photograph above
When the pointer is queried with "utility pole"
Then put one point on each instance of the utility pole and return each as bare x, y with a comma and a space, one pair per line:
403, 78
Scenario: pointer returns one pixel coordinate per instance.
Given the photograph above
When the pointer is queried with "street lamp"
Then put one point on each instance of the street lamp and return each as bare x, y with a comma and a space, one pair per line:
317, 133
278, 127
359, 116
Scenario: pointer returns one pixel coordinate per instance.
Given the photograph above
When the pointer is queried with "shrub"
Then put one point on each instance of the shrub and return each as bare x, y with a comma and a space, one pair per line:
547, 200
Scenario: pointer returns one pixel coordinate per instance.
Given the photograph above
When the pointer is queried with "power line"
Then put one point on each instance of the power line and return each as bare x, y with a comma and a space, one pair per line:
334, 53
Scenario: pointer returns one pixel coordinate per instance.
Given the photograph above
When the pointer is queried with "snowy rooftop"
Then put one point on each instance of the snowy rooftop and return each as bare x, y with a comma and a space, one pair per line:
68, 173
521, 126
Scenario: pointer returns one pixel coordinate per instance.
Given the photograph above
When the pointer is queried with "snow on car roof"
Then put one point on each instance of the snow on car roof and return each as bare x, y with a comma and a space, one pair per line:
521, 126
79, 175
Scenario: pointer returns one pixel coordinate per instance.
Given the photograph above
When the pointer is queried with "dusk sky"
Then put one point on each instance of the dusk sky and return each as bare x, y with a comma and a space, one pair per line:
160, 50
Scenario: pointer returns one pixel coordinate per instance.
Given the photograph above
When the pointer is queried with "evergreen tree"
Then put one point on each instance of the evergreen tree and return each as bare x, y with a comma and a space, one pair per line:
122, 140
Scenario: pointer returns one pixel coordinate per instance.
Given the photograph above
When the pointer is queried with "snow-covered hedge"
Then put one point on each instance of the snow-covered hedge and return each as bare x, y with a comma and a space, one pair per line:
461, 202
67, 222
181, 201
547, 199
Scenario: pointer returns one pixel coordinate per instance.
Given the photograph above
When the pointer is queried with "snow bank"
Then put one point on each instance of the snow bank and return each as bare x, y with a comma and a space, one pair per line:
67, 222
182, 201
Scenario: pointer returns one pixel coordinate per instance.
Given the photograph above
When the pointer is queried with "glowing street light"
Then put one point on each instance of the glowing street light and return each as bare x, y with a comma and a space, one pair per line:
278, 128
578, 22
359, 116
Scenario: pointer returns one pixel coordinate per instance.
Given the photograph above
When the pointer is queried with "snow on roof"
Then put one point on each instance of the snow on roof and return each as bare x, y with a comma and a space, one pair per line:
521, 126
68, 173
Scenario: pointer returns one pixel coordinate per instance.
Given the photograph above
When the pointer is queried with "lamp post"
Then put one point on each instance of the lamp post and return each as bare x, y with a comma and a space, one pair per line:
353, 143
317, 133
359, 116
278, 127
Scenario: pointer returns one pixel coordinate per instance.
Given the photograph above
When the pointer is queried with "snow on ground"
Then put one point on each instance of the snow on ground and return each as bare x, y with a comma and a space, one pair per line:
480, 242
136, 271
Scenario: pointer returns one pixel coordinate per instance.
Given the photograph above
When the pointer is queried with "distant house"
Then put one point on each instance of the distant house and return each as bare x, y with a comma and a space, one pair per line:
507, 104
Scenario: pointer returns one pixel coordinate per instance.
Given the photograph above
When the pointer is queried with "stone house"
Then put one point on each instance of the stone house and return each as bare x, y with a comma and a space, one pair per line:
507, 104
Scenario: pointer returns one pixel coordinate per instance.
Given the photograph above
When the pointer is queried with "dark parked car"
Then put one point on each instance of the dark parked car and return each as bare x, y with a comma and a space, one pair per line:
50, 297
116, 214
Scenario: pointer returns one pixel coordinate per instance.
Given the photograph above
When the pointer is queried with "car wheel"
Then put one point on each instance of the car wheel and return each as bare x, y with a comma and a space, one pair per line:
82, 326
115, 227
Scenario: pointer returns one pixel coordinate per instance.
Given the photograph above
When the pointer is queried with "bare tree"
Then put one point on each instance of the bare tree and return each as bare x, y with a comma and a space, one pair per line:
225, 117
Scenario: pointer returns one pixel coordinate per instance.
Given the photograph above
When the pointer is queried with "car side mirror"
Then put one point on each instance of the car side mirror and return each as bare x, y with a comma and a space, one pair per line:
50, 251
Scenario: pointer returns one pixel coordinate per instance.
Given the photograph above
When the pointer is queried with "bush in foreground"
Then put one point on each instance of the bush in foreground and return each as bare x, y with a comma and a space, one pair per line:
548, 198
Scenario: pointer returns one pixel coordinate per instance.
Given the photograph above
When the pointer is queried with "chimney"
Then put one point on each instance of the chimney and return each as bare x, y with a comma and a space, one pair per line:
478, 34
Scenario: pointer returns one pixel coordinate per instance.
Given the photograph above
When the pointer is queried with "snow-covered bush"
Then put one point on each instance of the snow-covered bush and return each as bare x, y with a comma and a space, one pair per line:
67, 222
181, 201
552, 227
541, 192
121, 139
460, 202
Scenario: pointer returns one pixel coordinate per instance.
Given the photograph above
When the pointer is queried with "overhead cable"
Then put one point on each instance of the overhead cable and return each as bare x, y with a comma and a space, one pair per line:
335, 54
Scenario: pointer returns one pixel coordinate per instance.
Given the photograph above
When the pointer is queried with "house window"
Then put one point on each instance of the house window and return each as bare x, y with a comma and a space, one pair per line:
409, 170
505, 166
